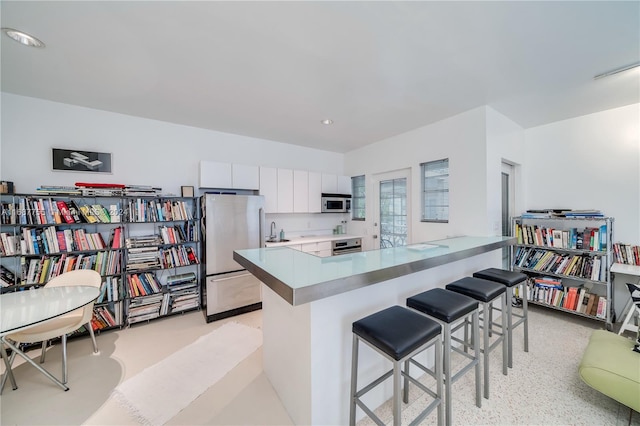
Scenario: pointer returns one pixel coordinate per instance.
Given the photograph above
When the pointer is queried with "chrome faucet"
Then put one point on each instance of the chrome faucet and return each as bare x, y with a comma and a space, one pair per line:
272, 235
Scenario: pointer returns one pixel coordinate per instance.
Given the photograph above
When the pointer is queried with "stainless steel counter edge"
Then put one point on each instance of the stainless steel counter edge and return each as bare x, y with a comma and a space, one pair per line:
331, 288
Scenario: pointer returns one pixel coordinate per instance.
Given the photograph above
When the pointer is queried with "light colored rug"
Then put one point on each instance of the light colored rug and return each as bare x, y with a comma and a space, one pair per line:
160, 391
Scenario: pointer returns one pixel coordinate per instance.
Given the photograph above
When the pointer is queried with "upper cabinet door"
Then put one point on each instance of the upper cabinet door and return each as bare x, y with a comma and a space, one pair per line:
214, 174
245, 177
344, 184
269, 188
315, 192
285, 191
329, 183
300, 191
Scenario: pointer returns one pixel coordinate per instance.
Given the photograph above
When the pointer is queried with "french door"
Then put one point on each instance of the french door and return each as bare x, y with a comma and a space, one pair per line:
392, 209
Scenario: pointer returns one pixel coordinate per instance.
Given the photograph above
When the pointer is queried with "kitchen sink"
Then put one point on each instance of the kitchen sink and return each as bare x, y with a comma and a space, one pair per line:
277, 241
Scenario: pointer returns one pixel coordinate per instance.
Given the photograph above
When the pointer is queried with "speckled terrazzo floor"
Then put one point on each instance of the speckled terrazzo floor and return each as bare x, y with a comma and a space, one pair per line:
542, 388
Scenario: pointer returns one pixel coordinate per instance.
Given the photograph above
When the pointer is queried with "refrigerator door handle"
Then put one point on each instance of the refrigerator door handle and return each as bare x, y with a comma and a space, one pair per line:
232, 278
261, 227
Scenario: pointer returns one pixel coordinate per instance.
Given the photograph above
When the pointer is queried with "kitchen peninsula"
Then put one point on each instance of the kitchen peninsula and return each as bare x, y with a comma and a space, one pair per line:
309, 304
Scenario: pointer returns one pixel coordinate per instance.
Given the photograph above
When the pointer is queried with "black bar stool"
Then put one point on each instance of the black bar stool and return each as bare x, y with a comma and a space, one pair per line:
486, 292
398, 334
449, 308
510, 280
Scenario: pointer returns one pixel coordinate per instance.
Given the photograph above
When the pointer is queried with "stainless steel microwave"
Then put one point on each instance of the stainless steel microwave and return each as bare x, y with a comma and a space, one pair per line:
336, 203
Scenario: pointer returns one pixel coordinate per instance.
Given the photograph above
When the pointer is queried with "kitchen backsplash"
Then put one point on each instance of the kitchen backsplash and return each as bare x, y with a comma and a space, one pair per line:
298, 225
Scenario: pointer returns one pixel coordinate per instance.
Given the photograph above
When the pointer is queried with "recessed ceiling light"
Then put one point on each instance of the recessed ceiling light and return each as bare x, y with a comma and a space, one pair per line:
22, 37
327, 121
616, 71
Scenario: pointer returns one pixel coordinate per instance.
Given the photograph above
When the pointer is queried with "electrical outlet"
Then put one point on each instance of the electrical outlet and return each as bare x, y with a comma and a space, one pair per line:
308, 225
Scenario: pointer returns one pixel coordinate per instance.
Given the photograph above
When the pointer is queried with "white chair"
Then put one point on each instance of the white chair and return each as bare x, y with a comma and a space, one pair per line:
64, 324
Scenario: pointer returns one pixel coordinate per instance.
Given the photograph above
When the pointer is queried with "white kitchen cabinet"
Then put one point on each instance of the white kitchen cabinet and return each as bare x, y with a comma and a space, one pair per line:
324, 249
329, 183
245, 177
285, 191
315, 192
344, 184
320, 249
214, 174
300, 191
269, 188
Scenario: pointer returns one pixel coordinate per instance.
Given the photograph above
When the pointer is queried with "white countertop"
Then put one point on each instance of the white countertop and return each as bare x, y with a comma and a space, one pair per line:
312, 239
300, 277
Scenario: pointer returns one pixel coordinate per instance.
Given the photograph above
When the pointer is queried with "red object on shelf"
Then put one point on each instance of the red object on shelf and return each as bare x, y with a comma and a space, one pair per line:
100, 185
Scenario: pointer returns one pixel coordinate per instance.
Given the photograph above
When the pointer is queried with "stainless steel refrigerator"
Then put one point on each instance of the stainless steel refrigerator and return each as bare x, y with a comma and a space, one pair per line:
230, 222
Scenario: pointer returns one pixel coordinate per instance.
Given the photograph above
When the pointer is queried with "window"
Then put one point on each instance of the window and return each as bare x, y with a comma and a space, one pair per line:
435, 191
358, 199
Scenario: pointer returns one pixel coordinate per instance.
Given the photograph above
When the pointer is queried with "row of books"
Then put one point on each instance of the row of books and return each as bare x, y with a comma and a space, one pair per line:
143, 241
626, 253
103, 317
177, 256
582, 266
162, 304
144, 308
100, 189
40, 270
551, 292
143, 284
592, 239
49, 240
47, 211
110, 290
141, 210
180, 300
550, 213
143, 258
7, 277
179, 233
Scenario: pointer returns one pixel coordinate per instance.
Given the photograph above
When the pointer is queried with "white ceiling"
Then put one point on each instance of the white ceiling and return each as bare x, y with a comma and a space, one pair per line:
273, 70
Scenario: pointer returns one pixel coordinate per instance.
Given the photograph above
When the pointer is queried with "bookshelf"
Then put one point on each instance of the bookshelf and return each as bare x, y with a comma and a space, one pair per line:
42, 236
568, 260
162, 256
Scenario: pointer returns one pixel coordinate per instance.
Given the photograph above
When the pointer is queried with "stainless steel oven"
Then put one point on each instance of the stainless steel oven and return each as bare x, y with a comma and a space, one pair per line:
346, 246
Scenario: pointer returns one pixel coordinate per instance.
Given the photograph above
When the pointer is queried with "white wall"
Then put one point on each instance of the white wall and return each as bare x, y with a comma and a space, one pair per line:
145, 152
462, 139
505, 143
589, 162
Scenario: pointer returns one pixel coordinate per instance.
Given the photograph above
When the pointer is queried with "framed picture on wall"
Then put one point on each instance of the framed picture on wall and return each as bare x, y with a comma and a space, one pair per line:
75, 160
187, 191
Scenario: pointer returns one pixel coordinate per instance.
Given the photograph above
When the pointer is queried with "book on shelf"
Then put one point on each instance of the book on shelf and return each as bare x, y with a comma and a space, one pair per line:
86, 212
601, 310
65, 212
571, 298
626, 254
592, 307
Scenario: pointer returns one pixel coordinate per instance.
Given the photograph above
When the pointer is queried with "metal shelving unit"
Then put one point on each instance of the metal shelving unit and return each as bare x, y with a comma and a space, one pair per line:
533, 242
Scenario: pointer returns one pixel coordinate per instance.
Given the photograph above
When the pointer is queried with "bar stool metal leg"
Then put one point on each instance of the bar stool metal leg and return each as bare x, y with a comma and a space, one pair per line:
354, 380
511, 280
525, 314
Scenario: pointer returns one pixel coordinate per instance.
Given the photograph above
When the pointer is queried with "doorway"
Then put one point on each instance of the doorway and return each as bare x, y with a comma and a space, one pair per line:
507, 208
392, 209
